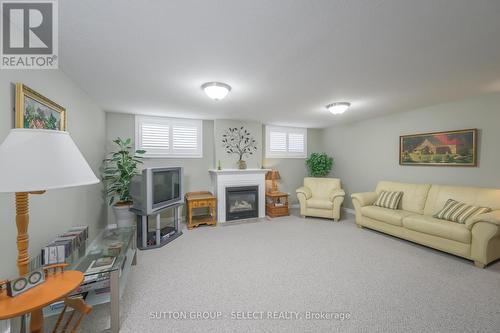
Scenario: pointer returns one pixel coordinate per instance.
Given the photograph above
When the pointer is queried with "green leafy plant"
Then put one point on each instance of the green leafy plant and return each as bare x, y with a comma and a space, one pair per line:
319, 164
119, 170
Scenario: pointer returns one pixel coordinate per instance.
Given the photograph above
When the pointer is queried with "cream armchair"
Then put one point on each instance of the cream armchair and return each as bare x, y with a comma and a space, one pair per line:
321, 197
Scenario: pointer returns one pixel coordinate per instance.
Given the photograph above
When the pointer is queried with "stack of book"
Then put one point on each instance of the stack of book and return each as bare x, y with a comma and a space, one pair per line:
66, 247
96, 282
100, 265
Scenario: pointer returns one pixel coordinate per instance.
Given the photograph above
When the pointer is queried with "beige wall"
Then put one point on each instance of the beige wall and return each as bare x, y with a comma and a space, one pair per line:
367, 151
364, 152
293, 170
196, 177
56, 210
228, 161
196, 174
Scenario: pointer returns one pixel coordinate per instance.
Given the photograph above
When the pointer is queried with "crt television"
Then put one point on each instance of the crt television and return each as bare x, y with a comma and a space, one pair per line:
157, 188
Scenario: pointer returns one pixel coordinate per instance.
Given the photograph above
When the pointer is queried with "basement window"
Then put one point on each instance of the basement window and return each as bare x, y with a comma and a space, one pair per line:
169, 137
286, 142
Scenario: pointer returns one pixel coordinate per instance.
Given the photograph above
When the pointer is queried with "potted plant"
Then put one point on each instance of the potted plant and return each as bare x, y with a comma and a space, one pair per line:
319, 164
240, 142
119, 170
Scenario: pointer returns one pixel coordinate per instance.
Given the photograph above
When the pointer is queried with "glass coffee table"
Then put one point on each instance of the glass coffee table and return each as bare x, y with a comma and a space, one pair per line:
105, 264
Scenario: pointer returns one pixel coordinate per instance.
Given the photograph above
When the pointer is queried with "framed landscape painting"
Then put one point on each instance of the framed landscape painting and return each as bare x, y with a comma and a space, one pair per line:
453, 148
36, 111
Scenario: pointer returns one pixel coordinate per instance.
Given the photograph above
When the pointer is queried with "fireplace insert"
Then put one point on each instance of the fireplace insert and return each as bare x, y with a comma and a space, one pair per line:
242, 202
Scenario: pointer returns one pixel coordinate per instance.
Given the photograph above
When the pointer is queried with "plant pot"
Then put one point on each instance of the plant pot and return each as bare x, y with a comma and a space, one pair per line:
123, 216
242, 165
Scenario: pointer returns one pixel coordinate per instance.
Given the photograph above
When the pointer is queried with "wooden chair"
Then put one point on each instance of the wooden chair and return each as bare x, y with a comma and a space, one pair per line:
52, 269
76, 304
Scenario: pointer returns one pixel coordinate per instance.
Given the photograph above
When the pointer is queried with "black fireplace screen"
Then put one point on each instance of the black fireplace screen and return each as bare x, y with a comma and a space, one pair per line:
242, 202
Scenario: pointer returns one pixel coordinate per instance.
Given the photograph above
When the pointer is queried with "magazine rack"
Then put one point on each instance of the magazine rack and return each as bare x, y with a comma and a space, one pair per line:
105, 283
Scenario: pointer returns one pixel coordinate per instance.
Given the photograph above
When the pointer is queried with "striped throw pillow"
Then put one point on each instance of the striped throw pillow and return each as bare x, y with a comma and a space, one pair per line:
459, 212
389, 199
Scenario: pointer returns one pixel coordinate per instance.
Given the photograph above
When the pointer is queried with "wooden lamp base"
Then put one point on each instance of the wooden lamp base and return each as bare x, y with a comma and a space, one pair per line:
23, 258
22, 221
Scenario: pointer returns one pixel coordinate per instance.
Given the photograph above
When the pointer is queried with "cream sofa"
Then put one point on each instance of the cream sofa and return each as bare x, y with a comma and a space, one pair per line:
321, 197
478, 239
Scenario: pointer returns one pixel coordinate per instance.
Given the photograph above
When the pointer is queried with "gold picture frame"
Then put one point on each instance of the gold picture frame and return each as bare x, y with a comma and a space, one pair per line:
34, 110
451, 148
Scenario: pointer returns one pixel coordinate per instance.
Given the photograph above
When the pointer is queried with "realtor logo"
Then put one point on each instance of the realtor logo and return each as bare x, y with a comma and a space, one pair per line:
29, 35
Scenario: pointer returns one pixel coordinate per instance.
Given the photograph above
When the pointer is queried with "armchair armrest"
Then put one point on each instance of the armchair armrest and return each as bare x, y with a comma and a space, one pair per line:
336, 193
492, 217
364, 198
305, 191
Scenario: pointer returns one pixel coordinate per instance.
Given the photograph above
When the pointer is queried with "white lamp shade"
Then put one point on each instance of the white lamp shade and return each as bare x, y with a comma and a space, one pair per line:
36, 160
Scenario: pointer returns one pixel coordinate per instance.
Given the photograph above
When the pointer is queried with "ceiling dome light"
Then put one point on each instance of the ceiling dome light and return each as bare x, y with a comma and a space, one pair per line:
338, 108
216, 90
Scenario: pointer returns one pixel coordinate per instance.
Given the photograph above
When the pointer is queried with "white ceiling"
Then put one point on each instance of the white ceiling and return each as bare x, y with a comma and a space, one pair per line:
285, 59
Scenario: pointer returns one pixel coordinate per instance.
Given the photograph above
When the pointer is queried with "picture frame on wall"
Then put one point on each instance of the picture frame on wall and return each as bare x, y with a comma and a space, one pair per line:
36, 111
451, 148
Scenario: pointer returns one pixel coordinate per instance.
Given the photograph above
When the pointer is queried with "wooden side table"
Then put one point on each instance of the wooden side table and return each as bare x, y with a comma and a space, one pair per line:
56, 287
277, 204
200, 200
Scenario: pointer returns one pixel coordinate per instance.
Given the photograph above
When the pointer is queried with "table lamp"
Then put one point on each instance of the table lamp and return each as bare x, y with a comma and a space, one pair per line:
273, 175
32, 161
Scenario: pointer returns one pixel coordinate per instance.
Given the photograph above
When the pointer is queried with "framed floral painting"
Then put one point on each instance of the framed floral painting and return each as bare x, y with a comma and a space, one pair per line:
36, 111
453, 148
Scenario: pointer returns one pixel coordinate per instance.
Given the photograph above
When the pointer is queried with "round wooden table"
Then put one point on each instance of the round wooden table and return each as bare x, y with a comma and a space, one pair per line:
55, 287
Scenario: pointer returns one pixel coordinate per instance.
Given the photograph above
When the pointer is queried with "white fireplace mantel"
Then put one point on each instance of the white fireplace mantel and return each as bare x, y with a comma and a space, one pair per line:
237, 171
236, 177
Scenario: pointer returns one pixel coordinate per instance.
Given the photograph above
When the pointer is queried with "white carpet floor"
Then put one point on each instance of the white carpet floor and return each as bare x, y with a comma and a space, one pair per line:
293, 266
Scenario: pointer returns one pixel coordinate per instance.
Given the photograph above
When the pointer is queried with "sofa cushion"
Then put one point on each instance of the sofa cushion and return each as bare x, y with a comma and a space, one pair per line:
483, 197
436, 227
414, 195
319, 203
390, 216
459, 212
388, 199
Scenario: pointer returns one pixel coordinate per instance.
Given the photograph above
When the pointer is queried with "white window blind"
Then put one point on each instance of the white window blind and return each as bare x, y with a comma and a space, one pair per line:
185, 137
169, 137
277, 142
296, 142
155, 136
286, 142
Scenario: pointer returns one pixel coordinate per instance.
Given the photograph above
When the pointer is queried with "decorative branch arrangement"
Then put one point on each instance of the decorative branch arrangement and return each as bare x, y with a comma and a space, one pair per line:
240, 142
